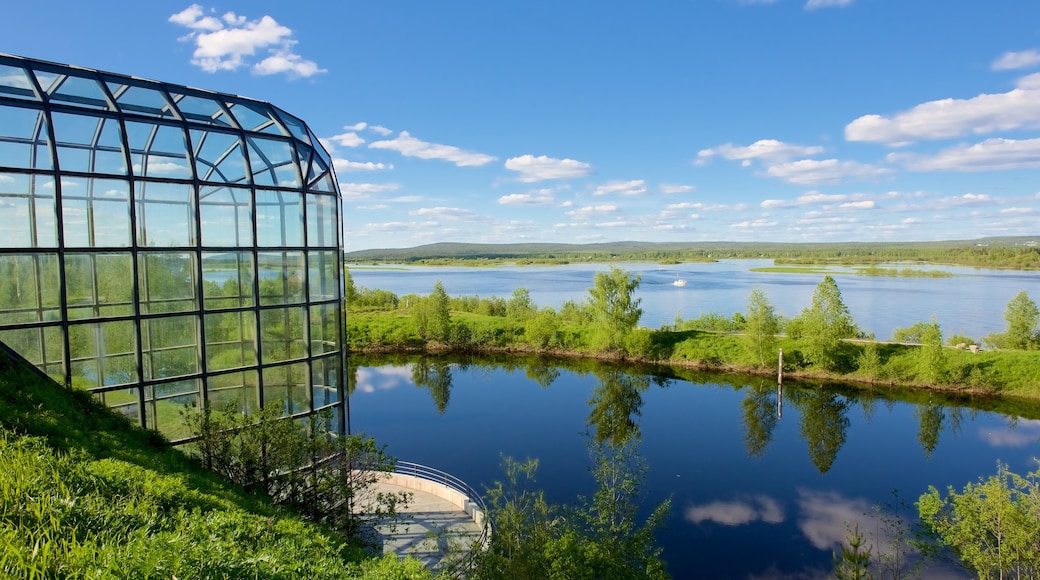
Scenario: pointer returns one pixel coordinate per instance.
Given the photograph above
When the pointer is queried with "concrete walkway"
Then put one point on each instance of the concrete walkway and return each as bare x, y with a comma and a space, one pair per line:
430, 529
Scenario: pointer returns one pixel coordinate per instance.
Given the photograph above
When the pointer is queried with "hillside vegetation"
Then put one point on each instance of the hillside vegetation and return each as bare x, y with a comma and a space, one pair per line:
83, 493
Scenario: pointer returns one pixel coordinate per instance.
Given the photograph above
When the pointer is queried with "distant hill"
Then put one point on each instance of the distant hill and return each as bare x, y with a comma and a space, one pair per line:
654, 250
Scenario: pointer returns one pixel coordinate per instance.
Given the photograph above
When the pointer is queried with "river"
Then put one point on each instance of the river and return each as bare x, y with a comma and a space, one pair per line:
759, 490
970, 303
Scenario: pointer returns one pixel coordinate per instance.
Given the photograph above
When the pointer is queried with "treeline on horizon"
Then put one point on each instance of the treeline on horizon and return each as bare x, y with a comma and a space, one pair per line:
1021, 253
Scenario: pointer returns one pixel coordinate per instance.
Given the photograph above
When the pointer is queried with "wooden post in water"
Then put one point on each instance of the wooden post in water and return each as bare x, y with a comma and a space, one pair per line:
780, 386
780, 368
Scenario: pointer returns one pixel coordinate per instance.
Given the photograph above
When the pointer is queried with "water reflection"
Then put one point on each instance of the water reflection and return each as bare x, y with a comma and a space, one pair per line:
760, 415
823, 422
435, 375
616, 401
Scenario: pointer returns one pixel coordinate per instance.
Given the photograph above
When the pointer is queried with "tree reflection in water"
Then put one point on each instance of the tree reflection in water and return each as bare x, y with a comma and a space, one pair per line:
616, 400
823, 423
435, 375
759, 417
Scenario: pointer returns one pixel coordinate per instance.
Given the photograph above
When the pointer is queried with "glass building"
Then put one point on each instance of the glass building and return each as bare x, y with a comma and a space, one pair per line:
163, 246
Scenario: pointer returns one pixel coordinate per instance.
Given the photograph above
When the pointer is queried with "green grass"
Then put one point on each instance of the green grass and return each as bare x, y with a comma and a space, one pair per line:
83, 493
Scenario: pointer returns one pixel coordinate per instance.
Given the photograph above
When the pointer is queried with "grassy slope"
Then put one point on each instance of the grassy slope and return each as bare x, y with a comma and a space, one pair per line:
85, 493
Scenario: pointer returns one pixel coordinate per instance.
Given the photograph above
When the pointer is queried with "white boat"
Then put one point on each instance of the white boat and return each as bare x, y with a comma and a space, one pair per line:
678, 281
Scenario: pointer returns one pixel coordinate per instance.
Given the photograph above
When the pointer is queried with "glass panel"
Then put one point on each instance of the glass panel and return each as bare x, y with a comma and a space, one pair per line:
96, 212
323, 276
158, 150
227, 280
324, 183
24, 139
282, 334
230, 340
167, 282
165, 403
219, 157
125, 401
325, 381
42, 347
98, 285
281, 277
169, 347
202, 110
165, 214
79, 91
140, 99
287, 387
324, 328
227, 216
295, 126
29, 289
238, 388
27, 212
272, 162
15, 83
279, 219
255, 117
89, 144
46, 79
103, 353
321, 221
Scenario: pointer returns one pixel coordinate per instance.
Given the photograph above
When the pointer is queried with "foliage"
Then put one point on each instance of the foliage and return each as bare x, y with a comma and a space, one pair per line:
614, 310
910, 334
760, 326
852, 562
993, 525
1023, 325
598, 537
823, 325
932, 359
320, 474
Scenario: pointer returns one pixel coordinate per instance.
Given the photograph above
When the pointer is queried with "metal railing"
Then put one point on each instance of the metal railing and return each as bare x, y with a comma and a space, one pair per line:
427, 473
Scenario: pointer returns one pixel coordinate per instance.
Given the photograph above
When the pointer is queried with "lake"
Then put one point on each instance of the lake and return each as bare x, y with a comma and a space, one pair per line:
754, 495
971, 303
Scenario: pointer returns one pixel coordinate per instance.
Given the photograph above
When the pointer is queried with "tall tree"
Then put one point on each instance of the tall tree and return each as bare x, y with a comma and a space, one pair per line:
1022, 318
615, 311
760, 327
931, 358
825, 324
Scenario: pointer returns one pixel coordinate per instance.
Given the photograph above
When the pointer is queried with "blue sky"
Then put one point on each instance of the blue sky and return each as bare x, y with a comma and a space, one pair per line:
593, 121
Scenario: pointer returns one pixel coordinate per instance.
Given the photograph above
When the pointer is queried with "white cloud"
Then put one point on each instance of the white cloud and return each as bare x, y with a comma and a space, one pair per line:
349, 139
814, 4
820, 172
540, 168
347, 165
769, 149
674, 188
633, 187
539, 198
807, 199
232, 41
1021, 433
1012, 60
365, 190
948, 118
449, 213
360, 126
6, 179
590, 210
737, 512
759, 223
372, 379
989, 155
409, 146
866, 204
1017, 210
380, 129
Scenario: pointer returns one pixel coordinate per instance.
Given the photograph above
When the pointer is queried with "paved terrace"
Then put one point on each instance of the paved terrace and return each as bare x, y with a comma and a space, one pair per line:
442, 522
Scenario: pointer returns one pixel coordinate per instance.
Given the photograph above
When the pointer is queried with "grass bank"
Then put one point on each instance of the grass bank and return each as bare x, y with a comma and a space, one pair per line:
83, 493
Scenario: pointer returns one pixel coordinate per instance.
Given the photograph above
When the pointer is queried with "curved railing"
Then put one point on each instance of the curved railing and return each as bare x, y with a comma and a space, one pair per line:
475, 503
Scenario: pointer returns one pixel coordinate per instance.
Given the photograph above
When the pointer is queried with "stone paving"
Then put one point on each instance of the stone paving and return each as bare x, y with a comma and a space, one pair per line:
430, 529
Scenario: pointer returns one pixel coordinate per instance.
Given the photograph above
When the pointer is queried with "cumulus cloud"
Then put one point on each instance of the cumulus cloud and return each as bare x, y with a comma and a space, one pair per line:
989, 155
810, 198
409, 146
540, 197
812, 172
633, 187
347, 165
1013, 60
759, 223
372, 379
449, 213
591, 210
231, 41
348, 139
865, 204
365, 190
768, 149
814, 4
736, 513
532, 169
948, 118
674, 188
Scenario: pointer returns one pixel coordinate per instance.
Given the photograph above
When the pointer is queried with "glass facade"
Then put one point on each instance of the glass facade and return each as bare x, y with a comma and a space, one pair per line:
163, 246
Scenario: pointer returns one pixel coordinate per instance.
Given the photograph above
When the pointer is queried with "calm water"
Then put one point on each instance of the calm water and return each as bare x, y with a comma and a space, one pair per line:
754, 495
972, 303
